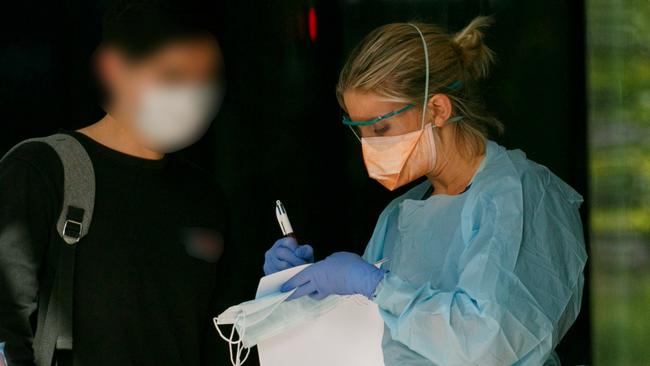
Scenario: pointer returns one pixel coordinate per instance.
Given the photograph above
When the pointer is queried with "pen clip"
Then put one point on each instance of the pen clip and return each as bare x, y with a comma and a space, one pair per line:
379, 263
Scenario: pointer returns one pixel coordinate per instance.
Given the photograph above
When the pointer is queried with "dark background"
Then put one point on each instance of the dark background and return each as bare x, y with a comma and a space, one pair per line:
279, 136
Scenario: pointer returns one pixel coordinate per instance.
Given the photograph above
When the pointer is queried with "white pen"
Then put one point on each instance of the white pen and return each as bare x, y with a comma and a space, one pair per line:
287, 229
283, 219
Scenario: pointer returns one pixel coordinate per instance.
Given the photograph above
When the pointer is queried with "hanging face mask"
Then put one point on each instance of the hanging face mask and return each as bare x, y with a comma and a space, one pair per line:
263, 318
398, 160
169, 118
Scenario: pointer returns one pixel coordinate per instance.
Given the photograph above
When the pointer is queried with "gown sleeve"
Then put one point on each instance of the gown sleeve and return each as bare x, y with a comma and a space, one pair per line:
518, 290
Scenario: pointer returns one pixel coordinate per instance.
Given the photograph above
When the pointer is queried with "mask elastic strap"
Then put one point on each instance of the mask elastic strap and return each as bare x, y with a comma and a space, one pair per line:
355, 133
450, 120
454, 119
236, 358
241, 347
426, 63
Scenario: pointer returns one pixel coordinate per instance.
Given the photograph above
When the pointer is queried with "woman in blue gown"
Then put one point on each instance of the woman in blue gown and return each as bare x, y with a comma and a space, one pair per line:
483, 261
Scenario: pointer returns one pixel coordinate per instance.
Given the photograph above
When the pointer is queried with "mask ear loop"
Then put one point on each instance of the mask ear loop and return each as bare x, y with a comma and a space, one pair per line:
426, 64
235, 359
228, 340
240, 346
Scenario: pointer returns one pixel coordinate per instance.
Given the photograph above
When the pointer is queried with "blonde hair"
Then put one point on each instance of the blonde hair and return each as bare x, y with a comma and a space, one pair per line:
390, 62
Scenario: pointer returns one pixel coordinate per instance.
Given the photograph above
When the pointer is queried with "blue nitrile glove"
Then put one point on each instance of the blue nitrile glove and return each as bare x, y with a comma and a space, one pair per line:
286, 253
341, 273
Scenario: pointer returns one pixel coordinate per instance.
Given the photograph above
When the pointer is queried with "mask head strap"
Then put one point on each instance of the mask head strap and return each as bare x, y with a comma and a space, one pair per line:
426, 65
453, 86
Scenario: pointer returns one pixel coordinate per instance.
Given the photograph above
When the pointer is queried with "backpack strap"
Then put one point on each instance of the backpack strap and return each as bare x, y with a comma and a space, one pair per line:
79, 185
72, 225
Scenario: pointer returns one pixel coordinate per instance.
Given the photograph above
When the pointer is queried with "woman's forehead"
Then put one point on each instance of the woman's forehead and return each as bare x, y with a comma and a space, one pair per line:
365, 105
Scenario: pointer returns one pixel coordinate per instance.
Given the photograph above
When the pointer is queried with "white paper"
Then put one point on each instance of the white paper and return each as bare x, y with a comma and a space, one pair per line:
348, 335
272, 283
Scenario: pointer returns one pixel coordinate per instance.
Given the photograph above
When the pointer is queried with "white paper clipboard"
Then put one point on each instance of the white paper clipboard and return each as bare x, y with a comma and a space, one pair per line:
348, 335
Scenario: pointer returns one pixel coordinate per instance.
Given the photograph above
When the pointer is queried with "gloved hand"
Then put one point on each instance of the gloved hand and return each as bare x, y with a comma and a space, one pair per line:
286, 253
341, 273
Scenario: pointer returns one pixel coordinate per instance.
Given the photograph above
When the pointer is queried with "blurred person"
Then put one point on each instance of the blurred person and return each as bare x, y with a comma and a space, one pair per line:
146, 276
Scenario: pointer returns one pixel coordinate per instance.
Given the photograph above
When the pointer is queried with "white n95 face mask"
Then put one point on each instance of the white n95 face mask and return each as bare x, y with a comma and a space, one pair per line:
169, 118
263, 318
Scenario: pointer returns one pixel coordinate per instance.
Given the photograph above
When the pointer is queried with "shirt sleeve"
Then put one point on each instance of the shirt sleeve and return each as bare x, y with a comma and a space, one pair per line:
509, 298
25, 229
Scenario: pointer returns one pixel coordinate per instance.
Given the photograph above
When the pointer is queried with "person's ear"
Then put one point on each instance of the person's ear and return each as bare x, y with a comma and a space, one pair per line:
109, 68
440, 108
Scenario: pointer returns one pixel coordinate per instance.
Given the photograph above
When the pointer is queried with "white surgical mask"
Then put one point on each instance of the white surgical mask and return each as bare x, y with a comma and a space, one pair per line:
169, 118
268, 316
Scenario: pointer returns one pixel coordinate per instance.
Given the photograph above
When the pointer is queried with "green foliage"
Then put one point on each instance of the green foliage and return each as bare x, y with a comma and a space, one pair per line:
618, 37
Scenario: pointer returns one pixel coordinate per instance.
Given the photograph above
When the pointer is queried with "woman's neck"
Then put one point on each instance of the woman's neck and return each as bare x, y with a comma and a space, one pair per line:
455, 168
109, 132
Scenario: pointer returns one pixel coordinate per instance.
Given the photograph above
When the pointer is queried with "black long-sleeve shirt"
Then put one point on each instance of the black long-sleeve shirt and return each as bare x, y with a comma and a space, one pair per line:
146, 275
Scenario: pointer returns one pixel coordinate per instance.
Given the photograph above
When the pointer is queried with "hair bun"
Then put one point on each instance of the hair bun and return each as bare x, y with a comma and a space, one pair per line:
476, 56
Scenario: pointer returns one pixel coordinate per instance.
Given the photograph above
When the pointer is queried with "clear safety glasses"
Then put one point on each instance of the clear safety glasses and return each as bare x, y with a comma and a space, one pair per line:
354, 125
348, 122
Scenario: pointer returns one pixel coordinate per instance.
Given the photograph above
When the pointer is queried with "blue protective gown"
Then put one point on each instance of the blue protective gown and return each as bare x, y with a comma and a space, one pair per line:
492, 276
